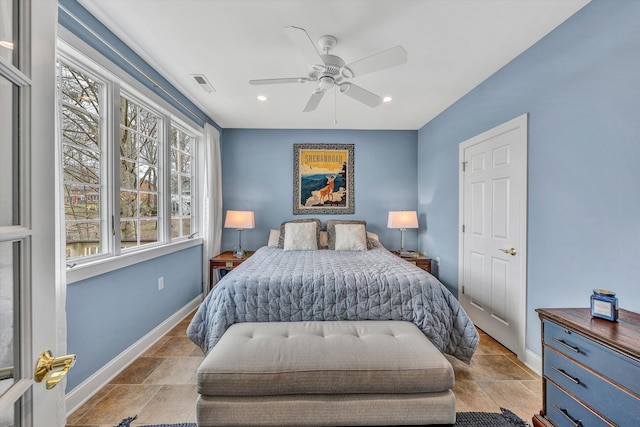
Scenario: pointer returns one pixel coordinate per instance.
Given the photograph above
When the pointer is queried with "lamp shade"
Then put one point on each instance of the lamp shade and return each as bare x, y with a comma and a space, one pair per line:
239, 219
402, 219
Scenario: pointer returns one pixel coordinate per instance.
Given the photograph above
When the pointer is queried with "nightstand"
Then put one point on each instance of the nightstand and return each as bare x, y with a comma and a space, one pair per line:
418, 260
225, 261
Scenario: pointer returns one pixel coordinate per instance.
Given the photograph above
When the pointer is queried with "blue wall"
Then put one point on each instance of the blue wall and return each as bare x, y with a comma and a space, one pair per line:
581, 88
257, 175
108, 313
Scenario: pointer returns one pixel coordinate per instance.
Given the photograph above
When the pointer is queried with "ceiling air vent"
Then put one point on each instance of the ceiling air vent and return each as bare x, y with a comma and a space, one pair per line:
203, 82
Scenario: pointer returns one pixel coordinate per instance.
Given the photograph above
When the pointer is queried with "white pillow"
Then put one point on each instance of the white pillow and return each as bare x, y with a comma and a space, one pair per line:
373, 236
274, 236
300, 236
351, 237
373, 240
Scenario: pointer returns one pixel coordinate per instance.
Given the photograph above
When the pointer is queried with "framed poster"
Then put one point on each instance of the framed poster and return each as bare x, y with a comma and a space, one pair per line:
323, 179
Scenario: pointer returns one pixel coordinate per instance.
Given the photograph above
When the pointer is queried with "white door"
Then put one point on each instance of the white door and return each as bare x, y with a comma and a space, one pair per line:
492, 243
31, 310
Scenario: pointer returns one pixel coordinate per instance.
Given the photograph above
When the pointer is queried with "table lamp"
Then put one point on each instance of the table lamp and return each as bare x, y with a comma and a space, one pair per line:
239, 220
402, 220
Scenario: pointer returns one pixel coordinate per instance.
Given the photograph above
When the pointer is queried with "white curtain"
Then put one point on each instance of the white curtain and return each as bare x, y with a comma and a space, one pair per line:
212, 200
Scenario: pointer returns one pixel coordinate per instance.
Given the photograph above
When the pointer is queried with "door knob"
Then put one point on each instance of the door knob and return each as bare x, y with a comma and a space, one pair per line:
510, 251
53, 368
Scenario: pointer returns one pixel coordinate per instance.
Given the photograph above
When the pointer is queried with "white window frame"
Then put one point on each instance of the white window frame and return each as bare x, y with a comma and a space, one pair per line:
163, 122
194, 184
74, 51
106, 201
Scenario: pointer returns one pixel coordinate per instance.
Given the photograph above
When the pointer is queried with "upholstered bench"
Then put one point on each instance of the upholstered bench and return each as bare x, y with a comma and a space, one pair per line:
325, 373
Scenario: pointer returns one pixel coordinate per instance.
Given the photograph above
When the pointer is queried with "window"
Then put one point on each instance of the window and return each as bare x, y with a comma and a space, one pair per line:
127, 168
80, 102
139, 166
181, 158
10, 149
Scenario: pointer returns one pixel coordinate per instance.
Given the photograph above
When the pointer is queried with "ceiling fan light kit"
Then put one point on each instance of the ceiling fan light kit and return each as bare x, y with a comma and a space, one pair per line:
326, 82
330, 70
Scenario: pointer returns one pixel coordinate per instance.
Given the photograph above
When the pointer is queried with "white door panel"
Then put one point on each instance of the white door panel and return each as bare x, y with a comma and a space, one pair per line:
27, 226
493, 220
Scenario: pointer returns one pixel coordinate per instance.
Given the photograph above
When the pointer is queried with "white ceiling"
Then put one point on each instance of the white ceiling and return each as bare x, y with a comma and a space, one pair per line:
452, 46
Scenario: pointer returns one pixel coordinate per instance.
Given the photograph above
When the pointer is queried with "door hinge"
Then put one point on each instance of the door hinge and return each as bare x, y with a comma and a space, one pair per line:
464, 166
463, 228
462, 289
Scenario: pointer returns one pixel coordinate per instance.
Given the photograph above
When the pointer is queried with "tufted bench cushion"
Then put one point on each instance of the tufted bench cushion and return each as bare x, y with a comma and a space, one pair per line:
331, 373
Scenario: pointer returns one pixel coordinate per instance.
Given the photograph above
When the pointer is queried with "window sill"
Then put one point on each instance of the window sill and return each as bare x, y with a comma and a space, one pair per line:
95, 268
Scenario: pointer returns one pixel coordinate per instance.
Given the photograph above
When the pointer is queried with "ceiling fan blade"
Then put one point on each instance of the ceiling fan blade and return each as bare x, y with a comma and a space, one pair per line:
278, 81
305, 45
378, 61
313, 102
361, 94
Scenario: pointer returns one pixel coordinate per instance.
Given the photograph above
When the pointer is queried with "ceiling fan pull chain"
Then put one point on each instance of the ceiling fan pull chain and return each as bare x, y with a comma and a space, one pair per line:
335, 105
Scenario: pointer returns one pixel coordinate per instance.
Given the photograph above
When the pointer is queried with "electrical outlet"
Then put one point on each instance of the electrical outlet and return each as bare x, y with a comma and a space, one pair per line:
160, 283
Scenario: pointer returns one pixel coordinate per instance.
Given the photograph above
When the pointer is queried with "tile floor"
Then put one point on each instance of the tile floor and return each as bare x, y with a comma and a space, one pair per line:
159, 386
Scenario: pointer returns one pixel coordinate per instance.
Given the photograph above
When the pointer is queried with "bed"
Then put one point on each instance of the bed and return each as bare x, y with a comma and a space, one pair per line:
284, 283
328, 328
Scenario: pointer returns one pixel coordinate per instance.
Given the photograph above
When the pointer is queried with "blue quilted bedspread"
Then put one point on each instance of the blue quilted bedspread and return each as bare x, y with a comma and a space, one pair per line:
278, 286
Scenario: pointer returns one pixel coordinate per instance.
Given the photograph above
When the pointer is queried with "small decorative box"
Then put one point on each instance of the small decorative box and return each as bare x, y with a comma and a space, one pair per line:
604, 304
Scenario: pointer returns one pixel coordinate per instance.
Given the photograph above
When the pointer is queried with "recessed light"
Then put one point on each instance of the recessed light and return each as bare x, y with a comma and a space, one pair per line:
6, 44
261, 98
387, 99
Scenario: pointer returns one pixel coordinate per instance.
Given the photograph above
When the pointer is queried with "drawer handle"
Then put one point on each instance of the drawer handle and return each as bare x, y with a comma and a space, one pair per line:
567, 376
569, 346
576, 423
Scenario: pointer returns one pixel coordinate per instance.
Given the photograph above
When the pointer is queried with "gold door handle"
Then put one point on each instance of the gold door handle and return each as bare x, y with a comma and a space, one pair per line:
510, 251
53, 368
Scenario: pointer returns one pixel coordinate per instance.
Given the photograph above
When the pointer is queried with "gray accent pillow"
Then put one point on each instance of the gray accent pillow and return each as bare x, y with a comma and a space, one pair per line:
318, 227
331, 230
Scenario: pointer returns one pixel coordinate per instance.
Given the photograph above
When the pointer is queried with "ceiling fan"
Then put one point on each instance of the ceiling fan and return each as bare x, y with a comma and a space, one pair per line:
330, 71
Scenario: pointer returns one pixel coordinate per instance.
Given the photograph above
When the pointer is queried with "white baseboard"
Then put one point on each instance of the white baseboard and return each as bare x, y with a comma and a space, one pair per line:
533, 361
84, 391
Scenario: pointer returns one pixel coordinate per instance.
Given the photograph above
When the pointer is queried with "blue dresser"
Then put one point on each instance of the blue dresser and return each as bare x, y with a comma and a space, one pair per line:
591, 369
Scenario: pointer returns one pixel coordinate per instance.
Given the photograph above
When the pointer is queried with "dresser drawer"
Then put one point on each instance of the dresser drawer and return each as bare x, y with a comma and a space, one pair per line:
564, 411
610, 401
609, 363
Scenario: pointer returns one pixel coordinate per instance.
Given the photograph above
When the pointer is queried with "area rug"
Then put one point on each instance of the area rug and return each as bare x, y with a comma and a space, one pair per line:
463, 419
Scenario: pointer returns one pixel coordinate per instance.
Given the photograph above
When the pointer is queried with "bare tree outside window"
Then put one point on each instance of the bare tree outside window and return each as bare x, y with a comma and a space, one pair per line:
79, 97
139, 148
180, 162
114, 184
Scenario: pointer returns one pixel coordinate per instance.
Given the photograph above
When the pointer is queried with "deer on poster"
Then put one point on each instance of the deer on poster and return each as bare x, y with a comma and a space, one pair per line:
328, 189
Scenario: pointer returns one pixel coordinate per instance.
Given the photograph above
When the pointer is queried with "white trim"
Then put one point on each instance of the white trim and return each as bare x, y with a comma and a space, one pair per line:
13, 74
84, 391
533, 362
14, 232
14, 392
46, 301
88, 270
